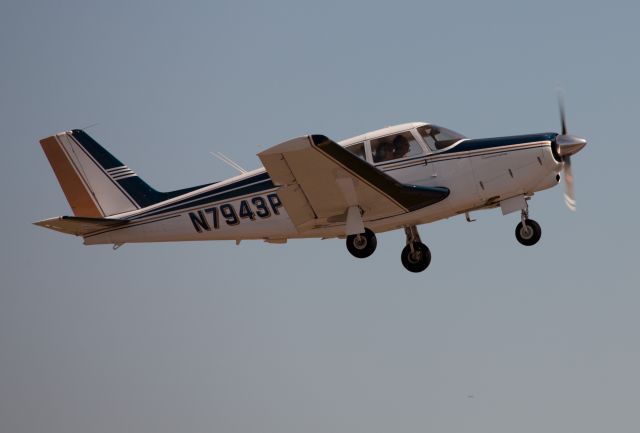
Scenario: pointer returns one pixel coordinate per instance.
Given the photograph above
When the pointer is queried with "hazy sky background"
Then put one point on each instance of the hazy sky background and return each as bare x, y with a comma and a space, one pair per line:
210, 337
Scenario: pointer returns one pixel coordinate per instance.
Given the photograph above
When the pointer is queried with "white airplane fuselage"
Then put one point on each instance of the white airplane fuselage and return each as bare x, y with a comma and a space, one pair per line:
479, 174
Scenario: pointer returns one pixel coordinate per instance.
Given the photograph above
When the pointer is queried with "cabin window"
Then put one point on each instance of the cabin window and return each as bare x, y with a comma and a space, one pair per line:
357, 149
396, 146
438, 137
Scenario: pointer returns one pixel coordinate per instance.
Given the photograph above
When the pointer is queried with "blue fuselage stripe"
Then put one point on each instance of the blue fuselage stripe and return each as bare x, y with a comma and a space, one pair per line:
497, 142
213, 196
262, 182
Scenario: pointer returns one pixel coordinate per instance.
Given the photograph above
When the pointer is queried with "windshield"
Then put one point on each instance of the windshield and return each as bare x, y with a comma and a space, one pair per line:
438, 137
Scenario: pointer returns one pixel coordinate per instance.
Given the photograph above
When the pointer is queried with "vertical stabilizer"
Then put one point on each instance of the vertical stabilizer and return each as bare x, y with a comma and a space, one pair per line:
95, 182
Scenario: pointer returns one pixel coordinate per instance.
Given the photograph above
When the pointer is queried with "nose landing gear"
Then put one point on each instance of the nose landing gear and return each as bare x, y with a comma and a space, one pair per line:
528, 231
415, 256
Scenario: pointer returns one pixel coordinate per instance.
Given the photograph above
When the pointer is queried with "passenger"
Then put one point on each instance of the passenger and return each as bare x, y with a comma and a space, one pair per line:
400, 146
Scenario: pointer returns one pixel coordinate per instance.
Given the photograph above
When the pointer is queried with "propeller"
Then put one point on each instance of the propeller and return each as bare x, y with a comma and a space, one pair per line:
567, 145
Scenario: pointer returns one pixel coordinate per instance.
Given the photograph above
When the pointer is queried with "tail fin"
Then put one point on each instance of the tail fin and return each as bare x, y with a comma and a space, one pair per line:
95, 183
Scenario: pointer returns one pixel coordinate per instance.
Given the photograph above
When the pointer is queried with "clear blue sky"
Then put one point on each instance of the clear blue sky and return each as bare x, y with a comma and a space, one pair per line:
302, 337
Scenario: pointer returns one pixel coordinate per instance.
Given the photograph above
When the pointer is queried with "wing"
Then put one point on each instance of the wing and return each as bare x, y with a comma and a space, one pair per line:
78, 226
320, 181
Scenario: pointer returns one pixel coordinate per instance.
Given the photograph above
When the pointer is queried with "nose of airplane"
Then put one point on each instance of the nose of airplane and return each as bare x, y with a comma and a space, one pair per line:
569, 144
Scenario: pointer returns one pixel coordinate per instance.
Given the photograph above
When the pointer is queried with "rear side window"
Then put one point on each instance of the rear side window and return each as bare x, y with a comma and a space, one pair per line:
395, 146
357, 149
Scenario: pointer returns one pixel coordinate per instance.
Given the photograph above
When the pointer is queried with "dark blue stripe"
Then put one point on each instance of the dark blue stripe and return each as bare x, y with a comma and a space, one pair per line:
431, 159
207, 194
213, 196
145, 195
99, 153
140, 191
486, 143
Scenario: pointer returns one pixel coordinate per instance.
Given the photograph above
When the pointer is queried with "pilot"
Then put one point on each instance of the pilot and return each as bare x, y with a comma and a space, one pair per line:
385, 152
433, 132
400, 146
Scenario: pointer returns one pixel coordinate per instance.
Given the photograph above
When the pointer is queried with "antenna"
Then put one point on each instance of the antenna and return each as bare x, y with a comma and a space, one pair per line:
230, 162
90, 126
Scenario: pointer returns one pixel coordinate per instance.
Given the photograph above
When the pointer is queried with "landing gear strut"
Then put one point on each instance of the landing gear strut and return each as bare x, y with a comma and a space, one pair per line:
528, 231
415, 255
363, 244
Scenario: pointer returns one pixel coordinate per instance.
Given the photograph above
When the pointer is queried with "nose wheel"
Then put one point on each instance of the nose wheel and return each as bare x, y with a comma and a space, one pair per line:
528, 231
415, 256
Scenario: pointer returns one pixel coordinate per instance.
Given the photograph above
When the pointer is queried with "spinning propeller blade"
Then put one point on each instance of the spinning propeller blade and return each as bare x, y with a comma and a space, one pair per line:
567, 146
563, 118
569, 199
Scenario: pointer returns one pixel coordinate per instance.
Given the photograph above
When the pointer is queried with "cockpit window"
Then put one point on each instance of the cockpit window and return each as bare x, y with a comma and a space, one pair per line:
395, 146
357, 149
438, 137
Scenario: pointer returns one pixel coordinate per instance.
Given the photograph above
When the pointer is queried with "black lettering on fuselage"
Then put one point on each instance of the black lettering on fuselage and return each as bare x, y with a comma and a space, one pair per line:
261, 207
275, 202
214, 212
227, 212
199, 221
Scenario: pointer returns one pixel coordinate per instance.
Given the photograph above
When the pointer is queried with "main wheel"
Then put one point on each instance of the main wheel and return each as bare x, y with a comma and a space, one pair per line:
530, 234
418, 260
362, 245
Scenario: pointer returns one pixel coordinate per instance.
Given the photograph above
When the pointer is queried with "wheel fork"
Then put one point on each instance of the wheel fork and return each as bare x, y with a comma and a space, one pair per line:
524, 215
412, 237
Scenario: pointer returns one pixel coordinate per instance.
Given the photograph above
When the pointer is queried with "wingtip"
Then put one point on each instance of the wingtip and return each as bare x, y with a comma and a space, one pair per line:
318, 139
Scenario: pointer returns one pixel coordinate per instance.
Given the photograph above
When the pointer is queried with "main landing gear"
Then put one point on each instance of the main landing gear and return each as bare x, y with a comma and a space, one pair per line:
415, 256
362, 245
528, 231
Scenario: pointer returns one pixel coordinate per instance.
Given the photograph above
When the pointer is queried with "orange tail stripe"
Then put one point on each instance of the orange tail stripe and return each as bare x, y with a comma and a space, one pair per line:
79, 198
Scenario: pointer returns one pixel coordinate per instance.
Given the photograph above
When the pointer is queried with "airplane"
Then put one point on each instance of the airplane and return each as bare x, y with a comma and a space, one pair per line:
393, 178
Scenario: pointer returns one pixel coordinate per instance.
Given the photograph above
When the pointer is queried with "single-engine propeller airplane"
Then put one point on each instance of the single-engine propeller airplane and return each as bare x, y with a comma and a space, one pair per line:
312, 187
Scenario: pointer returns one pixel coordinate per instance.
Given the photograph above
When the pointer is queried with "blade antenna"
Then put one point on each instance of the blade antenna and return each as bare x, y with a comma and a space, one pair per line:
231, 163
90, 126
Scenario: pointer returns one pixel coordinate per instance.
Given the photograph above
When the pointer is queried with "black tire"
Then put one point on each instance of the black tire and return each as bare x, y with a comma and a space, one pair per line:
362, 245
419, 260
531, 235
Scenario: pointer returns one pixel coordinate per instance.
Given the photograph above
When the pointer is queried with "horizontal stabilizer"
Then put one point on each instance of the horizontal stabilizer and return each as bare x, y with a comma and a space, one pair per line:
79, 226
